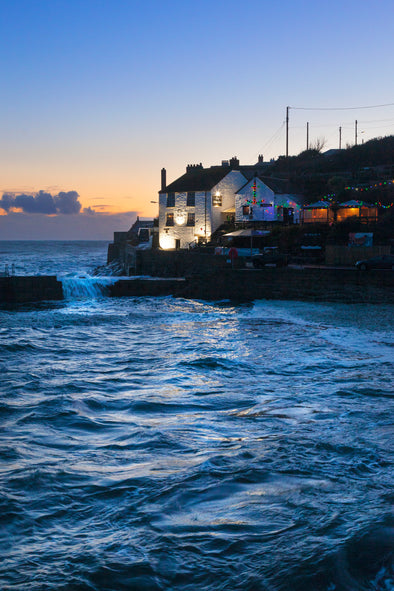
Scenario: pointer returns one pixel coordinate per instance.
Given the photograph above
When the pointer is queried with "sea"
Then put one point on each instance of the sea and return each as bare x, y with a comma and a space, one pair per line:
158, 443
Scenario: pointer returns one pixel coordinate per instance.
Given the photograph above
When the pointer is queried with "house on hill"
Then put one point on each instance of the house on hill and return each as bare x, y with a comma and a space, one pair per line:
195, 205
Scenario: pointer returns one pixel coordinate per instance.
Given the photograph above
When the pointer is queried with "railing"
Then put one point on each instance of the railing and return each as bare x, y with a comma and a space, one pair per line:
7, 272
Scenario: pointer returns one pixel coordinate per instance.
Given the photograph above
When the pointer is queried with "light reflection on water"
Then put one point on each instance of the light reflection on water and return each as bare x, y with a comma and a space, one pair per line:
170, 444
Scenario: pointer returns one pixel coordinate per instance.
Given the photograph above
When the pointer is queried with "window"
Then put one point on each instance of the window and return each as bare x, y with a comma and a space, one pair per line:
217, 200
190, 219
191, 199
170, 219
170, 199
245, 210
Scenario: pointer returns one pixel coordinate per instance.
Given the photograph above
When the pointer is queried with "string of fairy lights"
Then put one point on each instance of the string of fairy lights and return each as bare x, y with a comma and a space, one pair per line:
364, 189
330, 196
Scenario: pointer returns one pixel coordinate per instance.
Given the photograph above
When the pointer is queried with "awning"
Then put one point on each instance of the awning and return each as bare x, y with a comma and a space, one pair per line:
318, 205
354, 203
229, 210
248, 232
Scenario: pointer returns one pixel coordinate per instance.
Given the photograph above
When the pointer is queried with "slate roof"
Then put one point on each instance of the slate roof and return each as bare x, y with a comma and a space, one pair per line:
198, 179
204, 179
278, 186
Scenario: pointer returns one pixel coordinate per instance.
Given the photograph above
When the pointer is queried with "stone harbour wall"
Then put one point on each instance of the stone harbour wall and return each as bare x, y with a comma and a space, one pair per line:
30, 289
330, 285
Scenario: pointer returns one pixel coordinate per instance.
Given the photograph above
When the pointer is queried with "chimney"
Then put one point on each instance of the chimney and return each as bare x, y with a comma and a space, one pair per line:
234, 163
163, 179
261, 159
192, 167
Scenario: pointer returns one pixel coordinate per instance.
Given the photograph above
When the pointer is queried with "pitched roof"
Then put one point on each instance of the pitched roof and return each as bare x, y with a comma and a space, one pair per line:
198, 179
204, 179
278, 186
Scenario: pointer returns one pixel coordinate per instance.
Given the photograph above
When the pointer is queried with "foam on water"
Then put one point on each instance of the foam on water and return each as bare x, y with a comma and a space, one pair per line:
85, 286
167, 444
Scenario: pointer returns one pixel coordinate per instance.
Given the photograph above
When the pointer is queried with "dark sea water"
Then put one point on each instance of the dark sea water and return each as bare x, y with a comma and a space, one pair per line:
159, 443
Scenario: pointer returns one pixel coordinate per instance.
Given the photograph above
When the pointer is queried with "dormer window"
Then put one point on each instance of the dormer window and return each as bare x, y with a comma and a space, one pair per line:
170, 199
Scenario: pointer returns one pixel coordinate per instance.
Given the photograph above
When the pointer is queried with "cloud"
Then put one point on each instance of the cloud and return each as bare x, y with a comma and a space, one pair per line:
42, 202
67, 203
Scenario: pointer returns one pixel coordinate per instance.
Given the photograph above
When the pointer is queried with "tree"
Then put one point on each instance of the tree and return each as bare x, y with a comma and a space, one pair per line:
318, 144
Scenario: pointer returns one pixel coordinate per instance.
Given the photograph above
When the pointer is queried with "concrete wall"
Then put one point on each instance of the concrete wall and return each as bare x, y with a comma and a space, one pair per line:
161, 263
331, 285
349, 255
318, 285
30, 289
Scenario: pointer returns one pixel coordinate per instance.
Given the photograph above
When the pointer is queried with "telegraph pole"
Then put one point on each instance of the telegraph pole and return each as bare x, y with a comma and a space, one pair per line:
355, 132
340, 138
287, 132
307, 135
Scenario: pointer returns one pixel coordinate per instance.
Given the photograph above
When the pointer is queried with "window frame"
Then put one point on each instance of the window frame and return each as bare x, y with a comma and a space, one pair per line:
191, 199
191, 216
170, 199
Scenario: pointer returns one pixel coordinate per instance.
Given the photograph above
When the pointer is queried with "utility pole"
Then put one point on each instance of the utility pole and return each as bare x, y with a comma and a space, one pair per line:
287, 132
340, 138
355, 132
307, 135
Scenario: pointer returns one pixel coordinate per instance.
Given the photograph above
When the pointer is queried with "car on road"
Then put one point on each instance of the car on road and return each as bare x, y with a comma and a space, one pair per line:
384, 261
270, 256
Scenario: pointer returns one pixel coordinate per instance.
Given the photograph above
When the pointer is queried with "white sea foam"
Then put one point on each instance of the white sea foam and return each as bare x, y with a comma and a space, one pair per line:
86, 287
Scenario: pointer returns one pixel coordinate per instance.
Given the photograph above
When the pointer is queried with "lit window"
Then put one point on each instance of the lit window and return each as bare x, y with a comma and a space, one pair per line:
170, 219
190, 219
245, 210
170, 199
191, 199
217, 200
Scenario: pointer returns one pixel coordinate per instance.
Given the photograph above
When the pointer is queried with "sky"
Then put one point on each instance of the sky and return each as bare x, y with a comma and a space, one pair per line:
97, 96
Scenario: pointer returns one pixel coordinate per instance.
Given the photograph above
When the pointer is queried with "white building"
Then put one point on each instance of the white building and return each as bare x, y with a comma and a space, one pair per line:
196, 204
267, 201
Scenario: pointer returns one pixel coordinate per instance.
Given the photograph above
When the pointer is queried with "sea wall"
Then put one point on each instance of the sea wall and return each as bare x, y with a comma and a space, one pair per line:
348, 255
30, 289
338, 285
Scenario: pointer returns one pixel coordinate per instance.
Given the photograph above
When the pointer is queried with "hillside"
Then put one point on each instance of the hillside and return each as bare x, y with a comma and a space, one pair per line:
363, 172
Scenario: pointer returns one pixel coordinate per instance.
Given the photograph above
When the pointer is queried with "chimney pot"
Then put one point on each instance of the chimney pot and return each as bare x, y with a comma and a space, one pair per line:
163, 179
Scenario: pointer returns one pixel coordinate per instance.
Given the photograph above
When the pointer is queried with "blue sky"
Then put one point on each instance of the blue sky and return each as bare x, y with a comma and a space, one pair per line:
98, 96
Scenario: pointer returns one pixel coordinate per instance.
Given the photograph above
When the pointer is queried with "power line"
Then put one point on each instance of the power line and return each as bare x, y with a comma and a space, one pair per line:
340, 108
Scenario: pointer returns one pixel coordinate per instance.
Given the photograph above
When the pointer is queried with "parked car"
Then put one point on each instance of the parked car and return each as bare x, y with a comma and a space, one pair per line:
385, 261
270, 256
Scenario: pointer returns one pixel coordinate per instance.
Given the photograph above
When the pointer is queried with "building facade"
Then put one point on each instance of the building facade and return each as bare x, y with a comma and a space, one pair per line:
195, 205
266, 201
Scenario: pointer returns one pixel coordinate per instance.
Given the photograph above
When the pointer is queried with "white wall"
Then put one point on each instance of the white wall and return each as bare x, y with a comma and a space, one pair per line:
264, 213
227, 188
262, 193
207, 217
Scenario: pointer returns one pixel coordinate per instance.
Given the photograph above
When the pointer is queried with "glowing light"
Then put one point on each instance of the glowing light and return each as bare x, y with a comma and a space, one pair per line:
166, 242
180, 217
